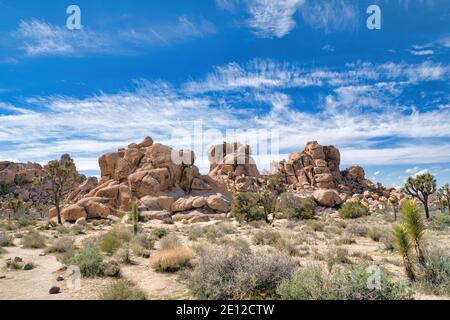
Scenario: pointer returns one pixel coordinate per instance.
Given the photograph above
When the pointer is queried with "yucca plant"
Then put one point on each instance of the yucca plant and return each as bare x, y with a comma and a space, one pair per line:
134, 215
403, 247
414, 226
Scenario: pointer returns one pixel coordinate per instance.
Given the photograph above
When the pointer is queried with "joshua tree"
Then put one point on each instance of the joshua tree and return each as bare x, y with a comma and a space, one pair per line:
421, 187
444, 196
58, 179
414, 226
403, 247
394, 203
134, 215
14, 205
267, 201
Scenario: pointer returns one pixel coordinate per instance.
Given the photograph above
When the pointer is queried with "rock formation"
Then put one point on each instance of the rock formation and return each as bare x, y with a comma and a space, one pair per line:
18, 179
164, 181
316, 169
233, 165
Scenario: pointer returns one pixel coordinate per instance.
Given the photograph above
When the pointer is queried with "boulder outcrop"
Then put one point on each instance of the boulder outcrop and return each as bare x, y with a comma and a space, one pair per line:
164, 181
233, 164
317, 169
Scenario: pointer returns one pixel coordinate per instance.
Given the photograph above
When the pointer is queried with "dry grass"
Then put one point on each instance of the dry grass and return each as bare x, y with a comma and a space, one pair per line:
171, 260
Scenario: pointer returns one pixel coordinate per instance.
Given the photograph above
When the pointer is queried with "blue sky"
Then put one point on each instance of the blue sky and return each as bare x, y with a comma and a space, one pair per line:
305, 69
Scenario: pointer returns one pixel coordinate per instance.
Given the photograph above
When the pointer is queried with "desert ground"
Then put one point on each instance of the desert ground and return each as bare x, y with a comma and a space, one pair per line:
327, 241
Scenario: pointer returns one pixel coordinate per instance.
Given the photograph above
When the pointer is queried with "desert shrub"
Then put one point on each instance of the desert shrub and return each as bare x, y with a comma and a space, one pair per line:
122, 290
312, 283
2, 251
344, 240
353, 210
90, 262
436, 277
169, 242
62, 229
3, 188
19, 180
123, 255
124, 233
77, 230
245, 207
440, 222
257, 224
388, 240
225, 273
142, 244
287, 245
160, 232
6, 240
7, 226
316, 225
111, 269
14, 265
25, 222
266, 237
61, 245
171, 260
110, 243
357, 229
337, 256
375, 234
33, 240
294, 207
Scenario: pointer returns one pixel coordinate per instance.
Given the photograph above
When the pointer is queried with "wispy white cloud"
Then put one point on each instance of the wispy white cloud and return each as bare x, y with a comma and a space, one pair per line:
330, 15
41, 38
354, 115
38, 38
422, 52
269, 19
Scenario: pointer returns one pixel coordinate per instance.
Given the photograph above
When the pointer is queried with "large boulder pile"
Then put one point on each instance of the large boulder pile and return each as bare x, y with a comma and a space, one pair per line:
316, 170
18, 180
164, 181
233, 165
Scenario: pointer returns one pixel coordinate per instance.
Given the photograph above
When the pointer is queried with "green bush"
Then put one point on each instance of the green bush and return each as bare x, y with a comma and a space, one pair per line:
110, 243
33, 240
436, 278
292, 206
312, 283
353, 210
6, 240
3, 188
19, 180
160, 232
25, 222
122, 290
90, 262
225, 273
245, 207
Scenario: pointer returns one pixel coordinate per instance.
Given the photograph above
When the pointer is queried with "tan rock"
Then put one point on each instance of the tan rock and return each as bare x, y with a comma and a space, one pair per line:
327, 197
166, 202
218, 203
199, 202
73, 212
150, 202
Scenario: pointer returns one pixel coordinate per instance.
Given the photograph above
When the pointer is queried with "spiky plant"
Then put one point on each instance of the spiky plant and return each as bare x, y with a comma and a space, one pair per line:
444, 196
403, 247
414, 226
134, 215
